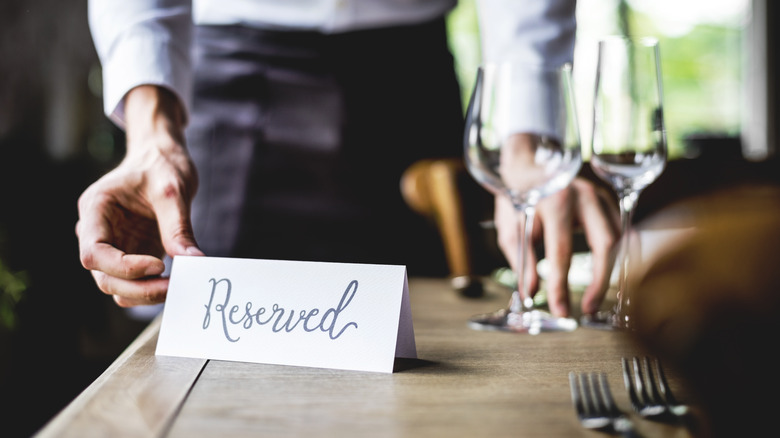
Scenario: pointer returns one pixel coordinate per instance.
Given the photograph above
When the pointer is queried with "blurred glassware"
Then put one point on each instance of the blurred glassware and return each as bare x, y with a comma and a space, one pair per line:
628, 145
522, 143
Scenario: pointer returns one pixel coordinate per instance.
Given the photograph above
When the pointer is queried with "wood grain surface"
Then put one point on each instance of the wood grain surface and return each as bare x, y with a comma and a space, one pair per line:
137, 396
465, 383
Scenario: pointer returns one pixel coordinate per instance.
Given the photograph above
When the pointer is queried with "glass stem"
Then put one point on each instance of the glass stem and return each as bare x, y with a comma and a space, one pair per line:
627, 203
525, 228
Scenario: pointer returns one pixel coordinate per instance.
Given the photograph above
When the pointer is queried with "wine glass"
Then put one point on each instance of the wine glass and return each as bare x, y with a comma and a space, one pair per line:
522, 142
628, 147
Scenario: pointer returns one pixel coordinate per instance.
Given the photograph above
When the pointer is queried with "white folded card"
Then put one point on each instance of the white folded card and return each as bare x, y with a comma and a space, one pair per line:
325, 315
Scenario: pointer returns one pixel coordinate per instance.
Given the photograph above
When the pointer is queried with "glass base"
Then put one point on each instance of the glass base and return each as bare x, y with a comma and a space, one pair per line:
530, 321
602, 320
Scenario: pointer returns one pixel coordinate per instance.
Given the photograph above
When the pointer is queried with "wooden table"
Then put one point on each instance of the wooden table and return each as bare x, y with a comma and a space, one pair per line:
467, 383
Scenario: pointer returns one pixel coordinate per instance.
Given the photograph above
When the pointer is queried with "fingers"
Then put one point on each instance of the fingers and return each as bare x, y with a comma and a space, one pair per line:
557, 216
139, 211
594, 209
132, 279
506, 229
601, 221
128, 293
531, 277
126, 276
176, 232
506, 219
170, 193
105, 258
95, 234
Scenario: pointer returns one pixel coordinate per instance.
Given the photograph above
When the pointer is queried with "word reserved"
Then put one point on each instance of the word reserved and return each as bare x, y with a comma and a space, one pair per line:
326, 315
277, 316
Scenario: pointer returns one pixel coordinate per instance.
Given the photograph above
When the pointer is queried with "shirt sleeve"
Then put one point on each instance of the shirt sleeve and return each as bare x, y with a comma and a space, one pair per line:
142, 42
532, 31
538, 33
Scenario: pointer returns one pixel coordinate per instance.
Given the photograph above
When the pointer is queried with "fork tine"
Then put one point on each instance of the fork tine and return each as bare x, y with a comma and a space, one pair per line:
596, 409
598, 399
591, 406
587, 403
576, 395
606, 394
639, 381
662, 406
628, 382
651, 382
663, 385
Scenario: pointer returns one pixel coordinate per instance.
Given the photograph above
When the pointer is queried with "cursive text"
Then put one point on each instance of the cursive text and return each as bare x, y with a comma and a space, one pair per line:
234, 317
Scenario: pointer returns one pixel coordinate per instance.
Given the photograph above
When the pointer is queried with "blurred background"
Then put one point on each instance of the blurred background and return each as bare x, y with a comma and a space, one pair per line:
58, 332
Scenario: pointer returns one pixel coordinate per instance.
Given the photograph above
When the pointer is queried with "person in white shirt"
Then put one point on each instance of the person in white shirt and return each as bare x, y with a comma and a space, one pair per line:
293, 120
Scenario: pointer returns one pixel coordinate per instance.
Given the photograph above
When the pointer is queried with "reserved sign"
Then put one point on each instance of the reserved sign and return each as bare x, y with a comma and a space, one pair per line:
325, 315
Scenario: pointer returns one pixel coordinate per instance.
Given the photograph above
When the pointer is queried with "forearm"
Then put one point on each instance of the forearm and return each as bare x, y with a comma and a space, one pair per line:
154, 116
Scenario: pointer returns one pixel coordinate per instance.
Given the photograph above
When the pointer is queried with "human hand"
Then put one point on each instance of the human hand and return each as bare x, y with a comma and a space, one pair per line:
583, 204
140, 211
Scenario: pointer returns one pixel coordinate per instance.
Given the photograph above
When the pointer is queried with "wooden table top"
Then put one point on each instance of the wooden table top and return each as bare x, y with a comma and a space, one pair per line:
466, 383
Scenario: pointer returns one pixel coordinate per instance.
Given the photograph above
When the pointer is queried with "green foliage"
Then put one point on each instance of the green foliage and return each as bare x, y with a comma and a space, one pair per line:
702, 73
12, 288
463, 30
702, 70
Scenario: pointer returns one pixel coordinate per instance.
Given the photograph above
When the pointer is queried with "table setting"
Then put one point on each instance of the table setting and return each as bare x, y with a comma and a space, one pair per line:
464, 382
467, 382
681, 346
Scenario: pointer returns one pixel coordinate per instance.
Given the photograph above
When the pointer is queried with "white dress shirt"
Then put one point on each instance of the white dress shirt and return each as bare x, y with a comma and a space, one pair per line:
148, 41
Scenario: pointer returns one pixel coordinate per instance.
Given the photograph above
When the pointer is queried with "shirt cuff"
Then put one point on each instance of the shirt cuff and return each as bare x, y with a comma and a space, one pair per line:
145, 58
531, 31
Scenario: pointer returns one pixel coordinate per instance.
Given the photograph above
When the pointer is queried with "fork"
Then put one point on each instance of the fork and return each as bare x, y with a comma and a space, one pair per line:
651, 397
596, 409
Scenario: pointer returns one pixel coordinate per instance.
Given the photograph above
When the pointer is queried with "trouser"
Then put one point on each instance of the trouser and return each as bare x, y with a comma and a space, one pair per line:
300, 140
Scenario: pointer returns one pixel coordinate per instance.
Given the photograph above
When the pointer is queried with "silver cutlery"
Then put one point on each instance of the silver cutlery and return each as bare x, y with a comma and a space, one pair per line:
649, 390
596, 409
